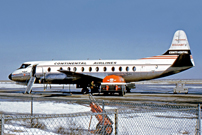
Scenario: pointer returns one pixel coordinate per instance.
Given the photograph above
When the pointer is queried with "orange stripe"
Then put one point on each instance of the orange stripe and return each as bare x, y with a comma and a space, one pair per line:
157, 58
163, 57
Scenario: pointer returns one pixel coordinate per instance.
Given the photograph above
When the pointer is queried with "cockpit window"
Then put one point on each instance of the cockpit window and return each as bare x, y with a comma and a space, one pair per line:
24, 66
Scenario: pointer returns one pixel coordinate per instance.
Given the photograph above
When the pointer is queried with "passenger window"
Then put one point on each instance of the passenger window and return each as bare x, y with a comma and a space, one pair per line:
90, 69
127, 68
82, 69
105, 69
69, 69
120, 68
97, 69
156, 66
113, 68
49, 69
75, 69
60, 68
134, 68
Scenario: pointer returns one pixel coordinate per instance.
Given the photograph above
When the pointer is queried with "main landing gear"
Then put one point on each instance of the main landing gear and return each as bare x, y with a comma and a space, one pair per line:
85, 90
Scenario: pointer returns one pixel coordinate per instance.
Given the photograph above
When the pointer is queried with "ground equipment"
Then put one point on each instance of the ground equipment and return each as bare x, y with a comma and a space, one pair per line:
113, 84
180, 88
104, 125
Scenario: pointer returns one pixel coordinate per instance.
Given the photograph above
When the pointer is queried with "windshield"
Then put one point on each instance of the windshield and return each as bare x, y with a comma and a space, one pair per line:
24, 66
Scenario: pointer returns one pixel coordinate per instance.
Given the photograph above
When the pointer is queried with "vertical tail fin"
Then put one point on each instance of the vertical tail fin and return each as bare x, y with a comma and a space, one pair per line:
180, 44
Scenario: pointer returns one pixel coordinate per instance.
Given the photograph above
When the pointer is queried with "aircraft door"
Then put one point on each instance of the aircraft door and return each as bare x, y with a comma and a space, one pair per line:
33, 71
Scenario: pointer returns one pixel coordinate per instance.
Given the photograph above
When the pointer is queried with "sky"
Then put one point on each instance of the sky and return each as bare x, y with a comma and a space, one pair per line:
96, 29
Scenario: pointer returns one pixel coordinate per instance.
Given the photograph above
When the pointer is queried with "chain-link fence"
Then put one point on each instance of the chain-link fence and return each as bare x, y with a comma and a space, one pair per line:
120, 118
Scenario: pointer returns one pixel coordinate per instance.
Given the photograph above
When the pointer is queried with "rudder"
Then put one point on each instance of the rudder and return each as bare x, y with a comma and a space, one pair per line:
180, 44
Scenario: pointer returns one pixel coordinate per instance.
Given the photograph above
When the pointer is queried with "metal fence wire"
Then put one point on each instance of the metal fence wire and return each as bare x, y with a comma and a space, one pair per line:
124, 119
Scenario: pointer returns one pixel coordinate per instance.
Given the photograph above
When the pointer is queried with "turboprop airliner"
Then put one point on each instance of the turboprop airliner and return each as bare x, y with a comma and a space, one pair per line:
83, 72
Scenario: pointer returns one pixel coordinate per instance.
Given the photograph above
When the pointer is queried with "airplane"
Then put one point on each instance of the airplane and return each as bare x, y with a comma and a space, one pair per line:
83, 72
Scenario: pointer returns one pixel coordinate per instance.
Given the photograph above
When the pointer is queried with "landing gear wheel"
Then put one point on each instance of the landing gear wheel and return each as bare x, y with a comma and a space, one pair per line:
94, 90
128, 90
122, 93
85, 91
105, 93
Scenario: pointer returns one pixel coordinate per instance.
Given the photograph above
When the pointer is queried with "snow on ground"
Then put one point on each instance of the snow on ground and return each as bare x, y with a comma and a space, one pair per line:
52, 125
151, 123
174, 86
16, 85
42, 107
167, 123
129, 124
47, 107
11, 85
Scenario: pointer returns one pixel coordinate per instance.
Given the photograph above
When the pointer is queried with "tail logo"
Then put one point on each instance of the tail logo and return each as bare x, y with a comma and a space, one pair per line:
179, 44
178, 52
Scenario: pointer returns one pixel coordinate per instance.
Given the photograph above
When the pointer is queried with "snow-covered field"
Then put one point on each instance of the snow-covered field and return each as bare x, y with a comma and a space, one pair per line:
14, 85
52, 125
41, 108
166, 122
154, 122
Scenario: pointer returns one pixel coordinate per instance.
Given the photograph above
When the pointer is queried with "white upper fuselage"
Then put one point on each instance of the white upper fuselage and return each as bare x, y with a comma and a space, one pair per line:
130, 70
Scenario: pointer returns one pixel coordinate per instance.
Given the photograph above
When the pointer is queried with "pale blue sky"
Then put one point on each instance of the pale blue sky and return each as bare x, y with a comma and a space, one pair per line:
96, 29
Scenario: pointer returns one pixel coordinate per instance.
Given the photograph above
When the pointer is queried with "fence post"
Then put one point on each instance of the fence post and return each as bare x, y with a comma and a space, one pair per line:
2, 124
31, 112
31, 106
116, 122
199, 119
103, 117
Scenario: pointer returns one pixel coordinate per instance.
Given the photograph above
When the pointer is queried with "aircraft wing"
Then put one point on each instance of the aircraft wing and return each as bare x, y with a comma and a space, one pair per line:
79, 76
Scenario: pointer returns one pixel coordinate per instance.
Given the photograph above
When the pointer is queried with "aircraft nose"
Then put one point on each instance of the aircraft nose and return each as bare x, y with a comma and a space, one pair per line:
10, 76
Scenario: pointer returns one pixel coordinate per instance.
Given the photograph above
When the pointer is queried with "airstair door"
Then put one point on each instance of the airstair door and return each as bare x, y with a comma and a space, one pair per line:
33, 72
31, 80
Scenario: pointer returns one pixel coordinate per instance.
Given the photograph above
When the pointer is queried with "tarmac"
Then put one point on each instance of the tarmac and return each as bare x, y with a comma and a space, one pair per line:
182, 99
151, 97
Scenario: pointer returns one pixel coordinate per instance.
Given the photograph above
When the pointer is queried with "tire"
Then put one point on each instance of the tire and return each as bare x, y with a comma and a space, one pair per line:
85, 91
105, 93
94, 90
120, 93
128, 90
